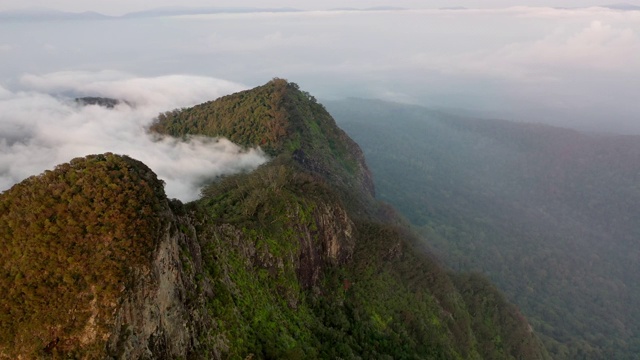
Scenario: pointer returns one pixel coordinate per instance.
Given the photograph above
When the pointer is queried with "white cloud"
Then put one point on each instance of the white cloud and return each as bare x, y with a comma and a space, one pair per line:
39, 130
162, 91
271, 41
596, 47
4, 93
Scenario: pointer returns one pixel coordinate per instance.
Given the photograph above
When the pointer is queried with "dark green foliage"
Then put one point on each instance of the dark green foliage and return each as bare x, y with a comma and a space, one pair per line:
109, 103
404, 297
68, 238
390, 300
248, 118
259, 303
258, 195
546, 213
490, 311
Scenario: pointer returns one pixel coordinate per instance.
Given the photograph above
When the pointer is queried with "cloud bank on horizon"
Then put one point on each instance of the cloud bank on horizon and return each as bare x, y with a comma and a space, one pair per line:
568, 67
118, 7
42, 126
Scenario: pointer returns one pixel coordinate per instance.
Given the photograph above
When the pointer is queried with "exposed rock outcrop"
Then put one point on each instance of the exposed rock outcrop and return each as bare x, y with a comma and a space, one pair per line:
153, 320
330, 243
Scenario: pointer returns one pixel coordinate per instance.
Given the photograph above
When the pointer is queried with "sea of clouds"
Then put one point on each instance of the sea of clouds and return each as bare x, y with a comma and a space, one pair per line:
41, 126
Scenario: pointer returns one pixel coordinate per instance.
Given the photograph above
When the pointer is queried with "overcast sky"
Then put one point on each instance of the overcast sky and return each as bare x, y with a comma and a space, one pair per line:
576, 68
118, 7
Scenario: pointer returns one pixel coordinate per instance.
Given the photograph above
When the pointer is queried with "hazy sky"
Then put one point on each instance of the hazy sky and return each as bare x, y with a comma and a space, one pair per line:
573, 67
116, 7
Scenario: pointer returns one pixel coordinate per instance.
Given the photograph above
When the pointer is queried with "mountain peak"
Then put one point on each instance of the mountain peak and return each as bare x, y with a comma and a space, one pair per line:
73, 235
254, 117
285, 122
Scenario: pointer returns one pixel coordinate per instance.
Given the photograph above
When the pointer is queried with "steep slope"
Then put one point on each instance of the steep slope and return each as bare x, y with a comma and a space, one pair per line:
277, 263
547, 213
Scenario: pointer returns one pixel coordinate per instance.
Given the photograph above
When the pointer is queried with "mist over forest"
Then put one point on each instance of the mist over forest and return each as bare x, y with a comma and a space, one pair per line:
546, 212
505, 135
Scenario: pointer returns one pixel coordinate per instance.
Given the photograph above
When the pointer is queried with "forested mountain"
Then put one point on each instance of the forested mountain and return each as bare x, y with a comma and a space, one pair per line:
549, 214
294, 260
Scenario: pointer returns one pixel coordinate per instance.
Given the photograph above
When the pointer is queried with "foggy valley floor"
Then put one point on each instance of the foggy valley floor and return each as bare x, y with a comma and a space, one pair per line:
547, 213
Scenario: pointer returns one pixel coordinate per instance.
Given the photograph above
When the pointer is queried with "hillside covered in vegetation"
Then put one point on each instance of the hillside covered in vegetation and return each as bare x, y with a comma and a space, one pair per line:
549, 214
295, 260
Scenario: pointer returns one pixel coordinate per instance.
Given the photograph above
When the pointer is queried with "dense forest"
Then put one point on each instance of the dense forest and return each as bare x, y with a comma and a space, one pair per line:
69, 237
549, 214
294, 260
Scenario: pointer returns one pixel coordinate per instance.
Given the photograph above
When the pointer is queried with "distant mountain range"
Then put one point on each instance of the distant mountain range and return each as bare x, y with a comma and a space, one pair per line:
44, 14
50, 14
178, 11
622, 6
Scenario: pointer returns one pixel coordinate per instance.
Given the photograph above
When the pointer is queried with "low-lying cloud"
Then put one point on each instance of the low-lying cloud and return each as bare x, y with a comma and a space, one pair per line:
42, 126
597, 47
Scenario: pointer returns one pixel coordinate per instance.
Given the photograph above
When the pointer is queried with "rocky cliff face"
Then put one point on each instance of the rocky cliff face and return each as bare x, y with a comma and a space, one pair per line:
330, 241
153, 320
161, 312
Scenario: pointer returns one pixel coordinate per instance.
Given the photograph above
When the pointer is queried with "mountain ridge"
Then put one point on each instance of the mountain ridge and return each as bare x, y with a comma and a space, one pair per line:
293, 260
